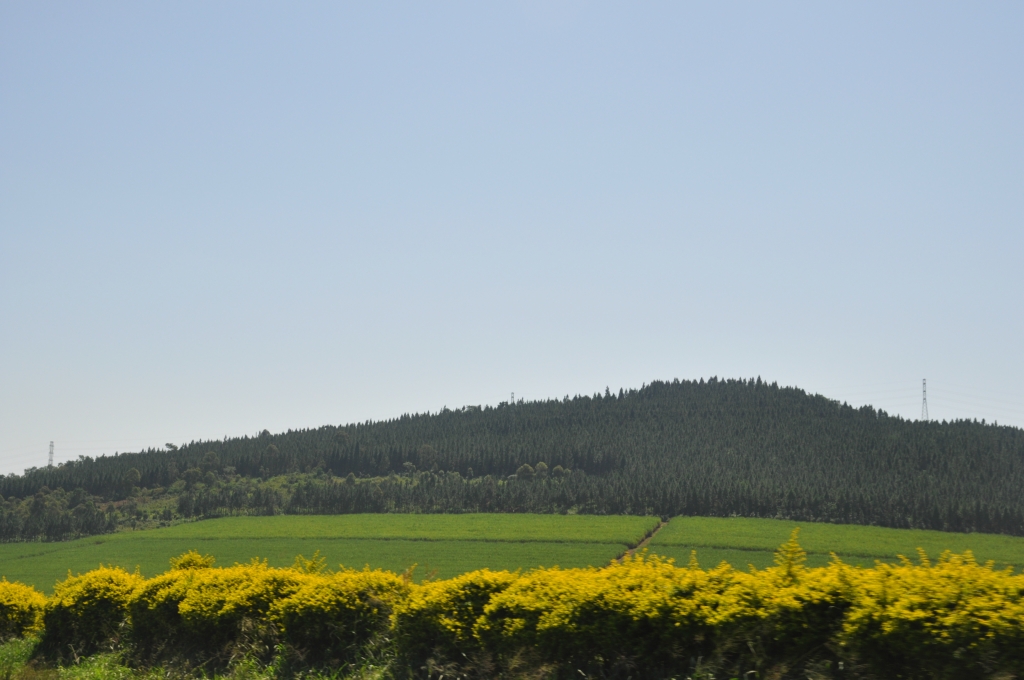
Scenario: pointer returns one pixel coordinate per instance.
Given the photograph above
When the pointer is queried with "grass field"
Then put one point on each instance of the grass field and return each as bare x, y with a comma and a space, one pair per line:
441, 545
446, 545
741, 541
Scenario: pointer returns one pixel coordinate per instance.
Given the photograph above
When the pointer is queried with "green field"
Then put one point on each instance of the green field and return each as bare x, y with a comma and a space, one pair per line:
446, 545
441, 545
741, 541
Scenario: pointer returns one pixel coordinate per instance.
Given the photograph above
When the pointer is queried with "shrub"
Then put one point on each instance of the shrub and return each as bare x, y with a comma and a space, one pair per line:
647, 617
795, 614
87, 612
434, 625
953, 619
201, 613
643, 616
191, 560
21, 610
331, 617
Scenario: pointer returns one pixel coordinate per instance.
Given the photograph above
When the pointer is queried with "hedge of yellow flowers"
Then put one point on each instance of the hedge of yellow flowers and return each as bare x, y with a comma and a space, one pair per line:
21, 610
87, 612
644, 616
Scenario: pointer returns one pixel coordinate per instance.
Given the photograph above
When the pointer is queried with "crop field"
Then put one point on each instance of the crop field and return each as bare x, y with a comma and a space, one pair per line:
443, 546
440, 545
742, 541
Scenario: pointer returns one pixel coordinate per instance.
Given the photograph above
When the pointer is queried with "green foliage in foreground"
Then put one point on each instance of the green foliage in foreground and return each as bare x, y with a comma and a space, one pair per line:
741, 541
16, 664
643, 617
441, 546
14, 654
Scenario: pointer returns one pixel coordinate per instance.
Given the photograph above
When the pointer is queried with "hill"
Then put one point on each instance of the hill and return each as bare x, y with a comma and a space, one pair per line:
708, 448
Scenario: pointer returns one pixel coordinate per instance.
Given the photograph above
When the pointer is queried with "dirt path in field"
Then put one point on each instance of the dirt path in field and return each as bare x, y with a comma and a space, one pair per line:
643, 542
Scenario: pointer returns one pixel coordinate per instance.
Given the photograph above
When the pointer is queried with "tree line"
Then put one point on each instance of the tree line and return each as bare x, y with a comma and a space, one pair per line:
715, 447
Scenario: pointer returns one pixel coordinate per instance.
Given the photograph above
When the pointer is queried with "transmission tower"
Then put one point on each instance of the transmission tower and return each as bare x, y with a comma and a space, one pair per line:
50, 463
924, 399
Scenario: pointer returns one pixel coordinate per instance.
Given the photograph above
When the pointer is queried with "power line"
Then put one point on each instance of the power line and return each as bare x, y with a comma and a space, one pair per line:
954, 404
1014, 396
978, 398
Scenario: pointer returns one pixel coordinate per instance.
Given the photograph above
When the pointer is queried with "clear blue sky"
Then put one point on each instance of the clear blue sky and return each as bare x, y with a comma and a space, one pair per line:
217, 218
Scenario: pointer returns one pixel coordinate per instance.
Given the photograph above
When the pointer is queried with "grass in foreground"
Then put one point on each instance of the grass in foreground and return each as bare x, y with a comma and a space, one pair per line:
14, 654
741, 541
441, 545
15, 664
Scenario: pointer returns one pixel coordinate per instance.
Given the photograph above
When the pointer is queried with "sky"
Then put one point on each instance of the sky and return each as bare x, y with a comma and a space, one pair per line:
219, 218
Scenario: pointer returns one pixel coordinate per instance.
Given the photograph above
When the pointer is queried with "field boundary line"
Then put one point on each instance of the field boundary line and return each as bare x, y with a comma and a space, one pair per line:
643, 541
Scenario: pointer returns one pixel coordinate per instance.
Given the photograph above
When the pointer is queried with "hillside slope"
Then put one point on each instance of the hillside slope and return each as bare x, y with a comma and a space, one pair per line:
718, 448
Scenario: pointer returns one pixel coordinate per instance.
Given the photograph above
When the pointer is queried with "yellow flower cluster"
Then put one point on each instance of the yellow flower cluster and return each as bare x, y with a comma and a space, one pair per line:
330, 616
196, 610
953, 618
950, 618
87, 611
935, 616
200, 610
441, 616
21, 610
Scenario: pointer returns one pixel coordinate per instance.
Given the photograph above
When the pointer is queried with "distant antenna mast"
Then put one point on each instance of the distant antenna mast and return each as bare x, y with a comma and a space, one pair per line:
50, 463
924, 399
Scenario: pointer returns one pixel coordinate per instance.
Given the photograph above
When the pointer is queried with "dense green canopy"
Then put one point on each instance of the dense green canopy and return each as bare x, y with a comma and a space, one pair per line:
717, 447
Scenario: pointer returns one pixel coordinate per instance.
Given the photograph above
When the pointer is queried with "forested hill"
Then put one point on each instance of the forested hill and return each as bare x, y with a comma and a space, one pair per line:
720, 447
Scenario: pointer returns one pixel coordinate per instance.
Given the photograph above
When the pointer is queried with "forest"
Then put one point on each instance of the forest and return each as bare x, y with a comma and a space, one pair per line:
709, 448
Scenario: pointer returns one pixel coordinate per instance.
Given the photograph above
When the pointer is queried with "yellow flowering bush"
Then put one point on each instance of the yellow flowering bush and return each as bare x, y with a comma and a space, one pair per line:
648, 617
642, 617
21, 610
953, 619
796, 611
87, 612
640, 609
191, 560
196, 612
437, 619
202, 612
330, 617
